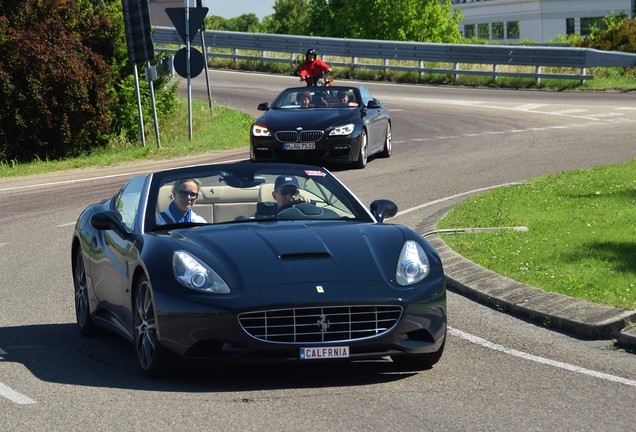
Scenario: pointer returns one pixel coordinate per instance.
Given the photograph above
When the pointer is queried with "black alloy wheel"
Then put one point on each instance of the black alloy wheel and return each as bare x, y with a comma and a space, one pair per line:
150, 354
361, 162
85, 323
388, 142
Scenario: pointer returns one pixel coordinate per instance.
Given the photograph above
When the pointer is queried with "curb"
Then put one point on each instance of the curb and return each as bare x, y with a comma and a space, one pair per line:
557, 311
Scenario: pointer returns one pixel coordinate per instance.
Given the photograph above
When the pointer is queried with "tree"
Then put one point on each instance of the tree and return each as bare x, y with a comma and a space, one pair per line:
403, 20
66, 86
242, 23
289, 17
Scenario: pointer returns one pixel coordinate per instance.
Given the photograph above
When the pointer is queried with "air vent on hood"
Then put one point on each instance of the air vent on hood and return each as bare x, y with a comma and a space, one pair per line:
304, 255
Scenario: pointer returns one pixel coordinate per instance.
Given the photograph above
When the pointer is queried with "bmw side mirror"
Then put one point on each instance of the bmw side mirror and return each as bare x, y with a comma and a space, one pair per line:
263, 106
373, 104
383, 208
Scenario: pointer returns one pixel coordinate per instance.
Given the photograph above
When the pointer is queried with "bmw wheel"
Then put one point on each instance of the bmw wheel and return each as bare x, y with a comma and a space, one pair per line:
388, 142
85, 323
362, 153
150, 354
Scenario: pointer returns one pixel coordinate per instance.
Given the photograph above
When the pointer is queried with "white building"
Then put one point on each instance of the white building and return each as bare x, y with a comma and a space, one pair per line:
510, 21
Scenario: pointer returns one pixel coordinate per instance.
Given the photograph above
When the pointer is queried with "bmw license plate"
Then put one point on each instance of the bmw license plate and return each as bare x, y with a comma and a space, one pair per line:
299, 146
324, 353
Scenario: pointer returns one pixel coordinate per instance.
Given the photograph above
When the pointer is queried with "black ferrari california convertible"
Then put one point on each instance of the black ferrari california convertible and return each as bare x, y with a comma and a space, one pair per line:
336, 124
243, 262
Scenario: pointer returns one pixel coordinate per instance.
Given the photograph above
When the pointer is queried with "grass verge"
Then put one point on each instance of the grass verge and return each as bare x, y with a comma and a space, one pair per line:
581, 233
216, 129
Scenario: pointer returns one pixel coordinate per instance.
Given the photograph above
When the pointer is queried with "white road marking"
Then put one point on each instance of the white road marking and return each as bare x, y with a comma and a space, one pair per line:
448, 198
3, 244
557, 364
14, 396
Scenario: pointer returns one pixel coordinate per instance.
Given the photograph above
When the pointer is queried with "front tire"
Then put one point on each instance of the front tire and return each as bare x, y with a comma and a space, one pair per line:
388, 142
85, 323
361, 162
150, 354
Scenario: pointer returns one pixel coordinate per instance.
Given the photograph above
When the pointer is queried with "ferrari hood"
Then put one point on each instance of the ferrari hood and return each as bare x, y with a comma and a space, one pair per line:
262, 254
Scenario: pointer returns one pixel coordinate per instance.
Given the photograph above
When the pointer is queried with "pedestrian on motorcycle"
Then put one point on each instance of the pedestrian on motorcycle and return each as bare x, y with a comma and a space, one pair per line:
312, 66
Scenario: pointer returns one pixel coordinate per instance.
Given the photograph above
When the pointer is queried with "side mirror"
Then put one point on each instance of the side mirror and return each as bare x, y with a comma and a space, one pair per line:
263, 106
383, 208
374, 104
109, 220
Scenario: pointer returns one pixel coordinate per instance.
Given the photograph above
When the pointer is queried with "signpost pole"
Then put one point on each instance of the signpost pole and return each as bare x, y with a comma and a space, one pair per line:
151, 75
141, 114
187, 37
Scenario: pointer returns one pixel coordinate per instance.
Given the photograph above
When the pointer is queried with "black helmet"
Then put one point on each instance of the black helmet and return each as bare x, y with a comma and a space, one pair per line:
312, 52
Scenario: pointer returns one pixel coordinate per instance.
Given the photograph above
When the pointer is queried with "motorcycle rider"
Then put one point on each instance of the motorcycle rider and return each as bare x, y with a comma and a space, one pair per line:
312, 66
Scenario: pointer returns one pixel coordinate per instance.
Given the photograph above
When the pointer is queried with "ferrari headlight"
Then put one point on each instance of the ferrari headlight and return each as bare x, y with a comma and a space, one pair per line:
412, 264
342, 130
194, 274
260, 131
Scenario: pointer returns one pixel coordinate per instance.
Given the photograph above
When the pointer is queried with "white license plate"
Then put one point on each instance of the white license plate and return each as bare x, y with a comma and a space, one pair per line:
299, 146
324, 353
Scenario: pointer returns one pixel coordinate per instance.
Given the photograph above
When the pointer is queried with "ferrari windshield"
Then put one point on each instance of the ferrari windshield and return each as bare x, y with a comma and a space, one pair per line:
248, 192
317, 97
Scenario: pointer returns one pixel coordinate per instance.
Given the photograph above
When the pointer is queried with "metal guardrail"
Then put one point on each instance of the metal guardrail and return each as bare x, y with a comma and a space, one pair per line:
243, 45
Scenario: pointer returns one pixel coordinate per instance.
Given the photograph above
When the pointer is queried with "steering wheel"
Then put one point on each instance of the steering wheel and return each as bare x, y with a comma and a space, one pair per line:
290, 204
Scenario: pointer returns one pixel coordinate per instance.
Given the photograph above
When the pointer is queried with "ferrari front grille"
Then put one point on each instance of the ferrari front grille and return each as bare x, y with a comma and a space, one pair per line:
302, 136
320, 324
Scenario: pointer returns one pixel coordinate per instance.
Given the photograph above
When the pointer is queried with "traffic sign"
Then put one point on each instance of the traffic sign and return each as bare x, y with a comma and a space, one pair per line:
195, 20
181, 62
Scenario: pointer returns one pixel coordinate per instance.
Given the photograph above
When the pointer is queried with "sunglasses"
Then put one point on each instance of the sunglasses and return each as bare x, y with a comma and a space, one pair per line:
188, 194
291, 192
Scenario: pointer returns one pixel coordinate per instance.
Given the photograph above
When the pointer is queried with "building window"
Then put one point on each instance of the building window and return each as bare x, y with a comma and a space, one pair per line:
469, 31
483, 31
512, 30
569, 26
589, 24
498, 30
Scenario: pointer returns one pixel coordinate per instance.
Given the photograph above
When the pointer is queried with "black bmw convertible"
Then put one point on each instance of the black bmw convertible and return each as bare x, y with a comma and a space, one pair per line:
244, 262
326, 125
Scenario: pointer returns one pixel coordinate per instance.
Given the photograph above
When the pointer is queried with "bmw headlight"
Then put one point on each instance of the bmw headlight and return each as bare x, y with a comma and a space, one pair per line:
412, 265
342, 130
194, 274
260, 131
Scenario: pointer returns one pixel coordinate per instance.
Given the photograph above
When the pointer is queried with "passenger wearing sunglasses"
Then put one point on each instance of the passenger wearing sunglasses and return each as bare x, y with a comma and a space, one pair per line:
184, 194
286, 190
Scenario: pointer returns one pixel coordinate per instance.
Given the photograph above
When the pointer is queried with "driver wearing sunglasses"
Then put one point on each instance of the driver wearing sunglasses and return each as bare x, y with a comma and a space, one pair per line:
184, 194
286, 189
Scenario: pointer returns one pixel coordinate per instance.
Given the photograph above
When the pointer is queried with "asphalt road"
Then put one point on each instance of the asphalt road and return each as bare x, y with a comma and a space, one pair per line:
498, 373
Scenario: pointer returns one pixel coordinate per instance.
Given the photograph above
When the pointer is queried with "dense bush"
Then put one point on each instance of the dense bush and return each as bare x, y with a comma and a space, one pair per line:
64, 79
615, 36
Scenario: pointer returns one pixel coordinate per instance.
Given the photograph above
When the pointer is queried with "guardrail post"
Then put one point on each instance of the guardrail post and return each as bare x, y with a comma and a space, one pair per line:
495, 70
236, 53
456, 76
537, 71
421, 67
583, 72
354, 61
386, 66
